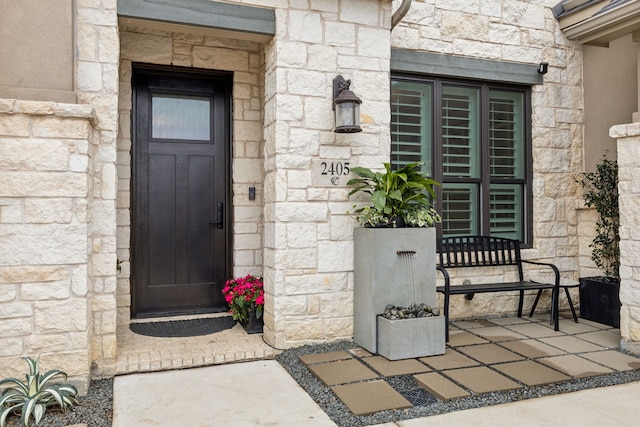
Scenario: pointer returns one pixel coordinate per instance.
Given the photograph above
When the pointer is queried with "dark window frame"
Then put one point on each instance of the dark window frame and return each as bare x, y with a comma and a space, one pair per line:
483, 214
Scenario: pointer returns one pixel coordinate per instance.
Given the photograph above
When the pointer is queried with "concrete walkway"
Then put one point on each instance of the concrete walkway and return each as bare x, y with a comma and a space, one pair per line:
262, 393
257, 393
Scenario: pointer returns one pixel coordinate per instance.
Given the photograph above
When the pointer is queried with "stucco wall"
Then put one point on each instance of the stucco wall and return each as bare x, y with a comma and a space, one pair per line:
610, 95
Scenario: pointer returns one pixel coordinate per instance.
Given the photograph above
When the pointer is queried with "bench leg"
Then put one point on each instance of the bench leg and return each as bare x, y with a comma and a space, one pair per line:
520, 303
535, 303
446, 317
555, 315
573, 310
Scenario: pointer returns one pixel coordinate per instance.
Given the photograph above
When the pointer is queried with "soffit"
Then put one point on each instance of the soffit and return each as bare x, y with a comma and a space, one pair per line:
597, 22
200, 16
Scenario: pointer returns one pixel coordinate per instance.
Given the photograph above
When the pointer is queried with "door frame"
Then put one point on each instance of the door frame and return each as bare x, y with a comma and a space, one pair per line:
226, 79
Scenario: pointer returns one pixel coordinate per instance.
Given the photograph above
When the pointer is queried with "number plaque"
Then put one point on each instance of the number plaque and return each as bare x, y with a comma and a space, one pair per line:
331, 173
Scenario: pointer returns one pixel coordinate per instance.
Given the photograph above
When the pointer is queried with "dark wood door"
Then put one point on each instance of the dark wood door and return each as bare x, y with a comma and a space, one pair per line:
180, 192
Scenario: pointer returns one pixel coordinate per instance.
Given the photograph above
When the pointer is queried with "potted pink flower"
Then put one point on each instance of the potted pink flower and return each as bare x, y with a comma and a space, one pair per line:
245, 297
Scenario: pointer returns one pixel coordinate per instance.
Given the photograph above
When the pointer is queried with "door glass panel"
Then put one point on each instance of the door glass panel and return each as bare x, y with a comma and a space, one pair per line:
180, 117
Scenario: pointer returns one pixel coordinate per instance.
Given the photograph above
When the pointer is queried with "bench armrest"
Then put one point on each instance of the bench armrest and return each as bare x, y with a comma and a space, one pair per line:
445, 274
547, 264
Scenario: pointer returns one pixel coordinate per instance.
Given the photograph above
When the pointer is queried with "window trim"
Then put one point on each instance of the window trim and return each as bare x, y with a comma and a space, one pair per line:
483, 217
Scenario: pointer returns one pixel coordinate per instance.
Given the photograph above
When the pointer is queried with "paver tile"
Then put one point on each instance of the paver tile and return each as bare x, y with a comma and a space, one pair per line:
571, 344
595, 324
481, 379
498, 333
310, 359
460, 338
471, 324
532, 348
575, 366
396, 367
531, 373
569, 327
502, 321
490, 353
614, 360
342, 372
533, 330
451, 359
439, 386
608, 339
371, 396
360, 352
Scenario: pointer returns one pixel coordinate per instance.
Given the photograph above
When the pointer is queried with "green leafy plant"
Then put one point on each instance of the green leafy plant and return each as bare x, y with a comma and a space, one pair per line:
396, 196
36, 395
600, 191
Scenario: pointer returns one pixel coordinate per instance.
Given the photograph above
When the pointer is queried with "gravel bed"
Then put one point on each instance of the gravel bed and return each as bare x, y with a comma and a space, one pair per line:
425, 404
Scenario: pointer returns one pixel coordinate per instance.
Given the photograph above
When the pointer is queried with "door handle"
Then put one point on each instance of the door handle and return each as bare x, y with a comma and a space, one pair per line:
219, 222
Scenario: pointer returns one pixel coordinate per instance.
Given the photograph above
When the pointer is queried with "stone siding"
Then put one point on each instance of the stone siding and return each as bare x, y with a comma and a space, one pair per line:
45, 294
525, 32
629, 199
308, 237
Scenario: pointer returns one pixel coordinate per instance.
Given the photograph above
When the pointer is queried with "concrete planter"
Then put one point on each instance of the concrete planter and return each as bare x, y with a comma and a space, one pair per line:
393, 266
409, 338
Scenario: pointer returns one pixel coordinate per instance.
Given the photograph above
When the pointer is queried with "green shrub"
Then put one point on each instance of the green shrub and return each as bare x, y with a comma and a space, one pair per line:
600, 191
36, 395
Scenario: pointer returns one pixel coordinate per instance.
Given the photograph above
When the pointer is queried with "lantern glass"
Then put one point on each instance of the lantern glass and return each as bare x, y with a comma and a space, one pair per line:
347, 117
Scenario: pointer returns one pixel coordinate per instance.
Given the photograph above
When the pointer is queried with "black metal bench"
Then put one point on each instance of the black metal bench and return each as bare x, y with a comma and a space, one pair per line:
486, 251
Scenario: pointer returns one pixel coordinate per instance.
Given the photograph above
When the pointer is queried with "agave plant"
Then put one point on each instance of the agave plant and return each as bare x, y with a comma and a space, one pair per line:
36, 395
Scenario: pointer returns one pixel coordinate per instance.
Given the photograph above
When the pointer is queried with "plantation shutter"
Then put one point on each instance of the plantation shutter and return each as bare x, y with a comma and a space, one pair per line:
506, 145
411, 124
460, 160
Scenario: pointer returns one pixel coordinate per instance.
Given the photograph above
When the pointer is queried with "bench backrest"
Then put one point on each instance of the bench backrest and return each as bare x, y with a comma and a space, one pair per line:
478, 251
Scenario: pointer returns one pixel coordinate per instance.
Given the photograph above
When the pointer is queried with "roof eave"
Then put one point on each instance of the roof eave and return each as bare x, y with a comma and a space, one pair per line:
600, 29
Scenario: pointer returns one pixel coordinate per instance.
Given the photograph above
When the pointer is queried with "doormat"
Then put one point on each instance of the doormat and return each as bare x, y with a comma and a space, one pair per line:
183, 328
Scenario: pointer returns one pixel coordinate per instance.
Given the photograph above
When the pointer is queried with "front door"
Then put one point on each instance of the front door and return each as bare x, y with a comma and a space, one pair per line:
180, 218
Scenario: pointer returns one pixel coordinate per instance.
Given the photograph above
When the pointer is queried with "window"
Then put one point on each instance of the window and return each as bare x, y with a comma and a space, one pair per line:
474, 138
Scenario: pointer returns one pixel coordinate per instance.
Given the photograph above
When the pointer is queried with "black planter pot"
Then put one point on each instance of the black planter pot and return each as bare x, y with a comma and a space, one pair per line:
254, 325
600, 300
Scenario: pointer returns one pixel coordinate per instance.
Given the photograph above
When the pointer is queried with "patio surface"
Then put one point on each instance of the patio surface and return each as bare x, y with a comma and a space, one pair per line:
482, 356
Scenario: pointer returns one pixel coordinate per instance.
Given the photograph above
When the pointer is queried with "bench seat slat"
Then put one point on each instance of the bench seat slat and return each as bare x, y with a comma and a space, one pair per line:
494, 287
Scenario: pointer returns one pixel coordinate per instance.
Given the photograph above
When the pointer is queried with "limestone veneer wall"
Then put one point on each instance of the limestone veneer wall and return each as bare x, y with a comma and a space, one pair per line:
58, 226
308, 237
525, 32
628, 137
45, 246
246, 59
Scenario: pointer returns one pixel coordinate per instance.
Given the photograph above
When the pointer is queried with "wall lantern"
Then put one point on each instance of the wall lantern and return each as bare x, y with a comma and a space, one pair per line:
543, 67
346, 106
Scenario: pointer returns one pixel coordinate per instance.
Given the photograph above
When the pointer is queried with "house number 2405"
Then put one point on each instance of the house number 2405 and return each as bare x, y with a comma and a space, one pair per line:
334, 168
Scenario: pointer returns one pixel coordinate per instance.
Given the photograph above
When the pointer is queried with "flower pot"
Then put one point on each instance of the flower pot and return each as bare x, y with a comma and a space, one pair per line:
600, 300
253, 325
